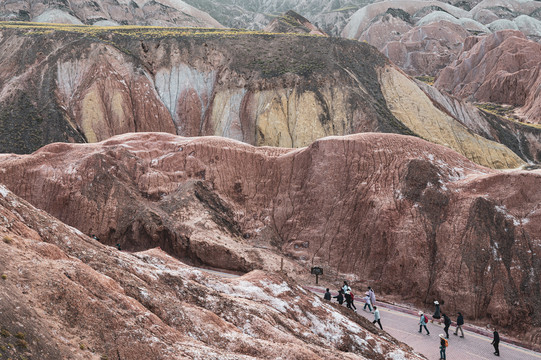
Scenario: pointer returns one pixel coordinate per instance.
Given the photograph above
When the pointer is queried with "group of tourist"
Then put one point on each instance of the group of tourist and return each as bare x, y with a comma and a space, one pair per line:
442, 317
346, 294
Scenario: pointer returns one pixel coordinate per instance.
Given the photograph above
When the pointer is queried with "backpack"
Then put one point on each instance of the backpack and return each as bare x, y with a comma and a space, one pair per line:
426, 319
446, 342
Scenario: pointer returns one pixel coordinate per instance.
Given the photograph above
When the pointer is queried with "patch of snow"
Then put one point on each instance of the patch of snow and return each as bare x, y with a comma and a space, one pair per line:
4, 191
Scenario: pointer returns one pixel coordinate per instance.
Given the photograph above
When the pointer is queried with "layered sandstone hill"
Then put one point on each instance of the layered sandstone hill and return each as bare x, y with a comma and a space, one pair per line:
504, 68
370, 206
108, 13
279, 90
291, 22
66, 296
422, 37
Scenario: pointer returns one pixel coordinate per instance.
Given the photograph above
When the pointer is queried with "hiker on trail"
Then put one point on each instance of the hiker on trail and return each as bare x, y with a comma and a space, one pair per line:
327, 295
437, 312
496, 342
422, 322
443, 345
377, 318
459, 323
447, 323
339, 297
372, 296
345, 287
348, 298
367, 302
353, 301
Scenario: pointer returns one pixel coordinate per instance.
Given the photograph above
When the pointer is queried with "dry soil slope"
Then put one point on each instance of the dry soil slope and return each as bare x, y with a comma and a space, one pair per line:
422, 37
66, 295
108, 13
278, 90
404, 205
503, 68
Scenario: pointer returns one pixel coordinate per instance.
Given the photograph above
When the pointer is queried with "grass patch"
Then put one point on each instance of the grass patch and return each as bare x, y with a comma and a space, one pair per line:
5, 333
4, 276
7, 240
426, 79
22, 343
139, 32
19, 335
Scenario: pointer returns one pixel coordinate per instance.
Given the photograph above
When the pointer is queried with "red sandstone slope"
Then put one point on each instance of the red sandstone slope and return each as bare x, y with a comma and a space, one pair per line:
504, 67
71, 297
373, 206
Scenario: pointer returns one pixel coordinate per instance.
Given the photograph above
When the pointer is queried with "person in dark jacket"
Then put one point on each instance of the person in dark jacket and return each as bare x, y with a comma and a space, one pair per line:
459, 323
496, 343
339, 297
347, 295
327, 296
447, 323
437, 312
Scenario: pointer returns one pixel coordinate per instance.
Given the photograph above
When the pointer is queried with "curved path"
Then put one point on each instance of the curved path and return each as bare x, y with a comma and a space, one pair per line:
402, 323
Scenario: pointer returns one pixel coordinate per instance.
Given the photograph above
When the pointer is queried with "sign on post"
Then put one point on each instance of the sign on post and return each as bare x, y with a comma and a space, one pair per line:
316, 270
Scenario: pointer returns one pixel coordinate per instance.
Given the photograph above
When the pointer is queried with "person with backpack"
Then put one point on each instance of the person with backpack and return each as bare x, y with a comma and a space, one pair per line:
339, 297
353, 301
443, 345
459, 323
447, 323
327, 295
377, 317
367, 302
422, 322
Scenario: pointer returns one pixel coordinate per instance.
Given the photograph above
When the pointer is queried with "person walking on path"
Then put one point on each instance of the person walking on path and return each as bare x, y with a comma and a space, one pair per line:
422, 322
339, 297
459, 323
437, 312
443, 345
377, 317
327, 295
345, 287
496, 343
372, 296
447, 323
367, 302
348, 298
353, 301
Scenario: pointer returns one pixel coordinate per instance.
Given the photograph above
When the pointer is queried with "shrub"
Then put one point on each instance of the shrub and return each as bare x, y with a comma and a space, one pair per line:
22, 343
5, 333
4, 276
8, 240
19, 335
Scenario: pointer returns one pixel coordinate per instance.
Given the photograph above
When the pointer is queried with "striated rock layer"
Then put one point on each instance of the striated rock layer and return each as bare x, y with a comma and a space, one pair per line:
262, 89
374, 206
503, 68
66, 296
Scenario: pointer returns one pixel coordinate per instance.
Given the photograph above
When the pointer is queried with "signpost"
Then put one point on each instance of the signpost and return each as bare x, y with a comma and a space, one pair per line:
316, 271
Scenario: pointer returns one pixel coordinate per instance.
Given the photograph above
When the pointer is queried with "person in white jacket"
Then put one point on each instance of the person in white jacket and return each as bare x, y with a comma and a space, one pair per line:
377, 318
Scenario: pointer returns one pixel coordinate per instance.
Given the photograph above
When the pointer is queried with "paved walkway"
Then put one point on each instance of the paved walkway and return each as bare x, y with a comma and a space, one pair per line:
402, 323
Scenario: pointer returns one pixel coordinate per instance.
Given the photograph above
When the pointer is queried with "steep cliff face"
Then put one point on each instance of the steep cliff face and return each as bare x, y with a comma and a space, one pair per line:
262, 89
402, 204
66, 295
